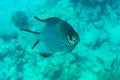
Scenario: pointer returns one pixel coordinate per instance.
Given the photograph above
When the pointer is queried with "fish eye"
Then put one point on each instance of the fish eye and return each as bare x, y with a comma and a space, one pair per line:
71, 39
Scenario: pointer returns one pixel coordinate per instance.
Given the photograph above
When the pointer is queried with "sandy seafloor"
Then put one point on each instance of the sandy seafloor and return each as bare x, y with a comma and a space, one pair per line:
96, 57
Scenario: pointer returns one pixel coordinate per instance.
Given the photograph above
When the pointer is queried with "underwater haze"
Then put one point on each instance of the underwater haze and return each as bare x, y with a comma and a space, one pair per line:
94, 24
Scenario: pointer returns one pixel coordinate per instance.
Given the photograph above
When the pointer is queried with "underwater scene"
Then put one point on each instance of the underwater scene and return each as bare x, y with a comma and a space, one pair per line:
59, 39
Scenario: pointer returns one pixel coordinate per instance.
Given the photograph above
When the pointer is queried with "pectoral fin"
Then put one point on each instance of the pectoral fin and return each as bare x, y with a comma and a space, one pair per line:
35, 44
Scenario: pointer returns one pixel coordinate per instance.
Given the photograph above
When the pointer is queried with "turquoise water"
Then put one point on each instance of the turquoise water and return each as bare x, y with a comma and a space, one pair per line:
96, 57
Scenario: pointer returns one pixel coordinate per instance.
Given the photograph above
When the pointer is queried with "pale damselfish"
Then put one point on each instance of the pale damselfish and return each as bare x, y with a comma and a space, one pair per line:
58, 36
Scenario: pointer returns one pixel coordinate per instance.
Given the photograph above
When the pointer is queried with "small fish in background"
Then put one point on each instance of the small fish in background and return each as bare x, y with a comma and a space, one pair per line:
58, 36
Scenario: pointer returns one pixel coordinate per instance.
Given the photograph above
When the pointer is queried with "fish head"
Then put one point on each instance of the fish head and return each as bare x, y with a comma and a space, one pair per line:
69, 35
73, 39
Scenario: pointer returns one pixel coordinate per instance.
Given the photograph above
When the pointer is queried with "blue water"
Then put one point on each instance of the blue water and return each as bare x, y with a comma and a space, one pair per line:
96, 57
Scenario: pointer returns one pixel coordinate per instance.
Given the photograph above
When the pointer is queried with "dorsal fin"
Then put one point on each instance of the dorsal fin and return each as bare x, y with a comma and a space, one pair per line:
53, 19
38, 19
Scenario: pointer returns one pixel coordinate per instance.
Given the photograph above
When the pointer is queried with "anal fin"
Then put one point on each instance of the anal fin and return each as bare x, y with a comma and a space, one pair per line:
46, 54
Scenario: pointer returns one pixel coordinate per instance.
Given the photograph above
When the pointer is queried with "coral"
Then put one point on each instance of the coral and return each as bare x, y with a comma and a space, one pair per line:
5, 36
113, 73
3, 54
8, 36
87, 3
14, 35
56, 74
20, 19
98, 24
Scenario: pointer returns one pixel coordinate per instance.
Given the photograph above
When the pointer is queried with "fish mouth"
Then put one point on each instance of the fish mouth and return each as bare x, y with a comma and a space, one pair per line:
78, 41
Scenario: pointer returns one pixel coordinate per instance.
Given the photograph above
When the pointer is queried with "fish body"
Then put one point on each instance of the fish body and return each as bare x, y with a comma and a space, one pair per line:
57, 35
